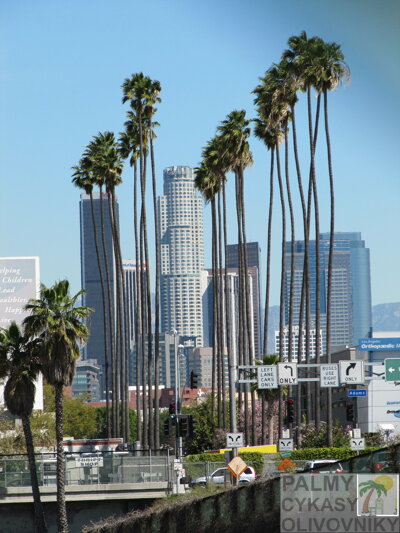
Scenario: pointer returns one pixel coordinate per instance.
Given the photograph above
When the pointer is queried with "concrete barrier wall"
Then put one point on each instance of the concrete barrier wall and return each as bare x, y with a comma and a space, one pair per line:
251, 508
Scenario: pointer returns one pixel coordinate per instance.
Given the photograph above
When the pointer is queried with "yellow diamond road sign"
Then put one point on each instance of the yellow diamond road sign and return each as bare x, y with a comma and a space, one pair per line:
237, 466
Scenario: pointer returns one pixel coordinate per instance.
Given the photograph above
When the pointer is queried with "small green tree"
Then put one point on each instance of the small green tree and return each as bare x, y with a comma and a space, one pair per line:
79, 418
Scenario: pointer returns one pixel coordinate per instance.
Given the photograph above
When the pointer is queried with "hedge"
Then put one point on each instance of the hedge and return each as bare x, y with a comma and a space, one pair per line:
326, 453
256, 459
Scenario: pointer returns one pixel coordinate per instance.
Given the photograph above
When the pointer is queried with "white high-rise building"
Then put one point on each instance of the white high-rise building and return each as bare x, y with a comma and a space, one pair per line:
295, 343
182, 255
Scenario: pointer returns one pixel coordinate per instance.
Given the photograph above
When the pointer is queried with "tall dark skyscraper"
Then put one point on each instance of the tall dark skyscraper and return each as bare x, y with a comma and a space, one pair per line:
253, 260
351, 286
90, 274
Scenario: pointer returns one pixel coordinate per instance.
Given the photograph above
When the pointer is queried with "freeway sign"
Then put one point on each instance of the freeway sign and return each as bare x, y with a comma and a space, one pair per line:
329, 375
351, 393
357, 444
392, 369
287, 374
351, 372
267, 377
234, 440
285, 445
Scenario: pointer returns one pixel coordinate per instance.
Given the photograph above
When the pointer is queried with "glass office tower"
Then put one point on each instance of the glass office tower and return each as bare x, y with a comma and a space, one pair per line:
351, 310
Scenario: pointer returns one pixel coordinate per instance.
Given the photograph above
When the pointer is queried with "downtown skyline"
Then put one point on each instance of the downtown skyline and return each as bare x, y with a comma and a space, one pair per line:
74, 92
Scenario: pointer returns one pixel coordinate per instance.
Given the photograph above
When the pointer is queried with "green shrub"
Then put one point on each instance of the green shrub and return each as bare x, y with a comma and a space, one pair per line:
325, 453
255, 459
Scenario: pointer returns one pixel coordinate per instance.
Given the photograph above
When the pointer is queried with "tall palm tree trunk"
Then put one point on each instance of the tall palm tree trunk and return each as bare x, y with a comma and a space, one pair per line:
269, 235
229, 341
118, 326
330, 268
242, 317
282, 290
215, 405
292, 233
317, 400
143, 336
138, 308
103, 300
62, 522
111, 429
302, 297
222, 328
40, 521
124, 331
247, 305
157, 304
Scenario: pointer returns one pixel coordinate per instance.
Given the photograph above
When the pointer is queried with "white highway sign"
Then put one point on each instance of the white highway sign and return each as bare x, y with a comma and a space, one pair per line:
287, 374
357, 444
234, 440
267, 377
285, 445
329, 375
351, 372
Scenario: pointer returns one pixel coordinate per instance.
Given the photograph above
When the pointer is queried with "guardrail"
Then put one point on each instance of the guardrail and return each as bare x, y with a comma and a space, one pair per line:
87, 469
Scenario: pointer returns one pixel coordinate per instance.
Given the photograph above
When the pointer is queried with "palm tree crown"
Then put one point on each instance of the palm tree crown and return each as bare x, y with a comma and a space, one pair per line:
58, 322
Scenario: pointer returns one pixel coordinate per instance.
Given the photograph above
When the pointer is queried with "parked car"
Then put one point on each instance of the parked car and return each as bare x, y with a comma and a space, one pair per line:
218, 477
323, 465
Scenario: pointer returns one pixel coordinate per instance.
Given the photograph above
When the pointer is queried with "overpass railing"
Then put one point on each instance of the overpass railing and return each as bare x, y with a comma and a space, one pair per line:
87, 469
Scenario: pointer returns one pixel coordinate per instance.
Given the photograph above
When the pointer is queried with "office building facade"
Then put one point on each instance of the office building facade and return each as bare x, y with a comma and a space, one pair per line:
182, 254
253, 253
351, 308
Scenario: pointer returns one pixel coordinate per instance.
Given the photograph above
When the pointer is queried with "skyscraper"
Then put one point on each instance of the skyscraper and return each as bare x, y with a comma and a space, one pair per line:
182, 254
253, 260
90, 273
351, 311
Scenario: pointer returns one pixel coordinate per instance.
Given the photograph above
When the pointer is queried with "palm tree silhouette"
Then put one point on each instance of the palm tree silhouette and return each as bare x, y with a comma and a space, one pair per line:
371, 486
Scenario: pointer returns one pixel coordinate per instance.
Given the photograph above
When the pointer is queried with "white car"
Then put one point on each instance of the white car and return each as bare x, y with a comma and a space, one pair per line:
323, 465
218, 477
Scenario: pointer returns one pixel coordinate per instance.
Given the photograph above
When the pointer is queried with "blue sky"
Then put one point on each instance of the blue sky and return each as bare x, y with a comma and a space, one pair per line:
61, 67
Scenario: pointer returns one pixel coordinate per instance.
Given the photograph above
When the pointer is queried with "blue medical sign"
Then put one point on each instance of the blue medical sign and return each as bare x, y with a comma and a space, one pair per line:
379, 345
351, 393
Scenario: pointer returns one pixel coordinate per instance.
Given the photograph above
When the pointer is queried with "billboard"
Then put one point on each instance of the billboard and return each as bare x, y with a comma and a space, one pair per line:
379, 345
19, 281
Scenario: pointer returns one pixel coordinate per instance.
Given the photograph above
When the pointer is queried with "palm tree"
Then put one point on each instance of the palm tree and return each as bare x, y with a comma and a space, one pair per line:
142, 94
206, 181
60, 325
129, 147
380, 485
106, 165
273, 112
333, 70
234, 132
83, 179
20, 364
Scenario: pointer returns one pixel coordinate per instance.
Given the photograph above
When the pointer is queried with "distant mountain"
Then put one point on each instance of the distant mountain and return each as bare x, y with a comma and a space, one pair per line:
386, 317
